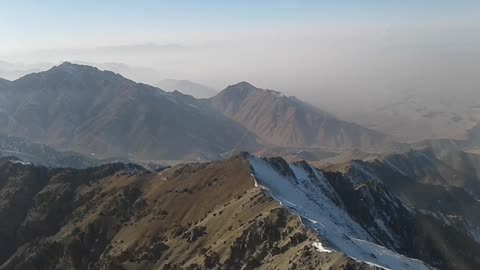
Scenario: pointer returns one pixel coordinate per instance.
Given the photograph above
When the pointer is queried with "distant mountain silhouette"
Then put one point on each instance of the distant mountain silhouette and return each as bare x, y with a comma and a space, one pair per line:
81, 108
187, 87
286, 121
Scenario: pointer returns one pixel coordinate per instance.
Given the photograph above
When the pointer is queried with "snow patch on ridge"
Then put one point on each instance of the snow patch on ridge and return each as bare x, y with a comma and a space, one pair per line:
320, 248
309, 195
17, 161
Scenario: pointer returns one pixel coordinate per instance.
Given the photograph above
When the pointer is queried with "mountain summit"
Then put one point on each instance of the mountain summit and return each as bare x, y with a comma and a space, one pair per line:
286, 121
82, 108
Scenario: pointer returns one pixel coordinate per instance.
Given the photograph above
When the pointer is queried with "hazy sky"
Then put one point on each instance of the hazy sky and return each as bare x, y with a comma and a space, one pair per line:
297, 46
62, 23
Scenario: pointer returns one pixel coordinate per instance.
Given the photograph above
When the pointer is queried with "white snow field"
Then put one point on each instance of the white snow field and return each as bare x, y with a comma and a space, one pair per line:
310, 196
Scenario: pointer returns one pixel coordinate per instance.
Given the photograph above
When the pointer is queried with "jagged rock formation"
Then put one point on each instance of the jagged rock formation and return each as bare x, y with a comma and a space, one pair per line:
244, 212
196, 216
361, 217
414, 178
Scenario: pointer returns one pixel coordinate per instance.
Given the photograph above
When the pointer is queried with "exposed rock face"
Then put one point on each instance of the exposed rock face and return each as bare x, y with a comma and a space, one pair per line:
124, 217
416, 235
355, 213
220, 215
286, 121
196, 216
443, 210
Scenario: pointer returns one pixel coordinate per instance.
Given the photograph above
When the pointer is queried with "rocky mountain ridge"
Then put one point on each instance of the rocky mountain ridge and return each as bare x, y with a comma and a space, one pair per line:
279, 120
228, 214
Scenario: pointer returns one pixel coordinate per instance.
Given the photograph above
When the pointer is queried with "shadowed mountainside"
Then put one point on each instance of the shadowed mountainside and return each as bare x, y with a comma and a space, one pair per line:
219, 215
81, 108
279, 120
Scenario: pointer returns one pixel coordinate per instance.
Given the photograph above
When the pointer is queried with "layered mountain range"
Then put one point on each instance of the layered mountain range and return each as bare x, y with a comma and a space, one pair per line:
242, 213
82, 185
81, 108
84, 109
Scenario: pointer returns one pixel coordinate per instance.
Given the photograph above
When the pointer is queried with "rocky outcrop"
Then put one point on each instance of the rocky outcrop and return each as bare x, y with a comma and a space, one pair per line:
217, 215
121, 216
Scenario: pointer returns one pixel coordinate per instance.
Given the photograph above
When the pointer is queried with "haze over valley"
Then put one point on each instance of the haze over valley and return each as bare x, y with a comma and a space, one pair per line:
240, 135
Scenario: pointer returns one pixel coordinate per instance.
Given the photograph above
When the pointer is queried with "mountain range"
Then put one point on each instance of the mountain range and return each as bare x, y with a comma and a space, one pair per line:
84, 182
288, 122
445, 185
83, 109
244, 212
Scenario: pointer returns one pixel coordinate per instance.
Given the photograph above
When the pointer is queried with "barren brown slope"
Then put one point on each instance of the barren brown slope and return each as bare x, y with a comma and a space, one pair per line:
194, 216
81, 108
286, 121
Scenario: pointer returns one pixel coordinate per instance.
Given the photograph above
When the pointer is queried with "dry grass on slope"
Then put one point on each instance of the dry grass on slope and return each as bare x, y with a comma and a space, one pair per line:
191, 216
